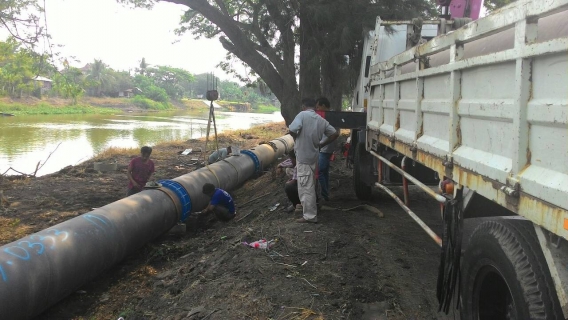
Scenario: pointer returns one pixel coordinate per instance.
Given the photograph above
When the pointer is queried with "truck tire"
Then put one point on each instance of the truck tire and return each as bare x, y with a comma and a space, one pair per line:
505, 276
362, 190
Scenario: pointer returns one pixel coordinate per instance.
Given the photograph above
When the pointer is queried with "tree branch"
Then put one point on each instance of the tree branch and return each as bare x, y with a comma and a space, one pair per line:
239, 44
222, 6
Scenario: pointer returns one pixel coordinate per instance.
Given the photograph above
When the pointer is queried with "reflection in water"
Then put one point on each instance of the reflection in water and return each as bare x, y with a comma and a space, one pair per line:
25, 140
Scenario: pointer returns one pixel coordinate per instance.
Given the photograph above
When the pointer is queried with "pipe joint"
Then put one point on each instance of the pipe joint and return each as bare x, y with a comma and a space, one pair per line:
285, 143
182, 194
252, 155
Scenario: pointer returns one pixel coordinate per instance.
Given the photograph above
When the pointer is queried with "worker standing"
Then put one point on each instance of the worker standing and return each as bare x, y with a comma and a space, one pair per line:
308, 129
325, 154
140, 169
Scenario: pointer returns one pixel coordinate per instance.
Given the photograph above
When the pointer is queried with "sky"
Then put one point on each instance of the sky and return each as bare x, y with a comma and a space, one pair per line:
121, 36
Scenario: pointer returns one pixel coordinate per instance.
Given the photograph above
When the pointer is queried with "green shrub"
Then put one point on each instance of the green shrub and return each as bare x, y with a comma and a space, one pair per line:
266, 108
145, 103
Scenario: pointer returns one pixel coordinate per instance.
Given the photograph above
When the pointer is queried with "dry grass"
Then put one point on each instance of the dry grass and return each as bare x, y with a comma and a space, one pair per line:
113, 152
106, 101
193, 104
12, 228
265, 132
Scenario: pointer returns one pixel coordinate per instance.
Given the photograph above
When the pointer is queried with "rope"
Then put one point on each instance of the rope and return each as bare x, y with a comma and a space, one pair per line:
237, 170
449, 269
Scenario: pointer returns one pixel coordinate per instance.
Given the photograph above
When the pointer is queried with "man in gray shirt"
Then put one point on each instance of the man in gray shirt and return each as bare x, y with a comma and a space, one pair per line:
308, 130
219, 155
322, 104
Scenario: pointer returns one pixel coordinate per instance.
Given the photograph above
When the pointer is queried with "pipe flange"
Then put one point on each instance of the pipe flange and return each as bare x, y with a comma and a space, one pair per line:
182, 194
257, 167
175, 199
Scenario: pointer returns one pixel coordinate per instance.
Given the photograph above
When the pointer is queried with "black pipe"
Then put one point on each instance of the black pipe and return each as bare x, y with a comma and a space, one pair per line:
39, 270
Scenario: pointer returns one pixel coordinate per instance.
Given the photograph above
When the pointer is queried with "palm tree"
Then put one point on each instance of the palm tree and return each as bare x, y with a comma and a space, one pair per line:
143, 66
97, 75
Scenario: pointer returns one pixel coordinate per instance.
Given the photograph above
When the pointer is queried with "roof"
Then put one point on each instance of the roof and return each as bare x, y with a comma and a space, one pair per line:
40, 78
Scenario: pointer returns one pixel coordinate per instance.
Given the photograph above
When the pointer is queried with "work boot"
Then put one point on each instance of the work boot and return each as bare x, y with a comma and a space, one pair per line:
290, 208
299, 209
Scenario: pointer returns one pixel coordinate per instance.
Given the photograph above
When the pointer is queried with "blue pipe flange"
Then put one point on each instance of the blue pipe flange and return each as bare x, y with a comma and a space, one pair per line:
257, 167
182, 194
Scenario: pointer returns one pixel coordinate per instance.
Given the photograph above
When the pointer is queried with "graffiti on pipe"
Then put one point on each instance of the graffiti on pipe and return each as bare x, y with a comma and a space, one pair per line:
26, 250
96, 220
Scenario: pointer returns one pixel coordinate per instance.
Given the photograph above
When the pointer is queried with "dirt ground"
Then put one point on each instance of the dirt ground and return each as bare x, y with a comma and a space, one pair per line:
351, 265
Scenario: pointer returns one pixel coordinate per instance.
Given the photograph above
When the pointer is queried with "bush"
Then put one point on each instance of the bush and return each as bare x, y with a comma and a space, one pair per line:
145, 103
156, 93
266, 108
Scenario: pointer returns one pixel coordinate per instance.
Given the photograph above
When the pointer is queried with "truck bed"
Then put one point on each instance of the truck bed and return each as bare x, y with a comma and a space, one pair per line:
486, 105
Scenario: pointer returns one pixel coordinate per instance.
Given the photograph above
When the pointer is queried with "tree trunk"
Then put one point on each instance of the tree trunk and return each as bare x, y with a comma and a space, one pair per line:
290, 105
310, 64
333, 76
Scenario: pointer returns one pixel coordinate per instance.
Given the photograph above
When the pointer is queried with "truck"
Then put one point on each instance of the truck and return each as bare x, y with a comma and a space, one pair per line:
476, 116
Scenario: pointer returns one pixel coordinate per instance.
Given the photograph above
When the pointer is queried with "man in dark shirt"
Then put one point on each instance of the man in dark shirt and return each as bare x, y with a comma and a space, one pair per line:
221, 202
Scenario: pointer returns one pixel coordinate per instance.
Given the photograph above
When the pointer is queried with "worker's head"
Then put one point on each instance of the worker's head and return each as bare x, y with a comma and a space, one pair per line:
208, 189
145, 152
322, 103
229, 150
308, 103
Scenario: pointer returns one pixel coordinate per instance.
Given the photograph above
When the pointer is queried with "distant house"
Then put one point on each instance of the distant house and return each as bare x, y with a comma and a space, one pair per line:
87, 68
43, 83
129, 93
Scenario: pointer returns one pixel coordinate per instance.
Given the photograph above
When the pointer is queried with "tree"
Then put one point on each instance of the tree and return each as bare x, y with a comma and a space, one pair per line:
265, 34
175, 81
70, 83
491, 5
98, 77
143, 67
149, 89
17, 15
17, 68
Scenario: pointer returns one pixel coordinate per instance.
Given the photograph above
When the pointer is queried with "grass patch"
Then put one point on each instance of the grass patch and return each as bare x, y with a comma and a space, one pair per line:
146, 103
265, 132
44, 108
113, 152
193, 104
266, 108
13, 228
107, 101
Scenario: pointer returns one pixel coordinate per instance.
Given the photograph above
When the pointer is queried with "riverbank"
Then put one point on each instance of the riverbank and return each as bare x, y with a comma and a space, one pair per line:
351, 265
94, 105
37, 203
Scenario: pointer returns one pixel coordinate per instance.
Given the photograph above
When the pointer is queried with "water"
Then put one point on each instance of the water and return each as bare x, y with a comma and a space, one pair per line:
27, 140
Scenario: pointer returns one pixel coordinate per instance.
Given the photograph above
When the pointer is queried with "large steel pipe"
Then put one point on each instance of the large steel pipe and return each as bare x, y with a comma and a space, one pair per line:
39, 270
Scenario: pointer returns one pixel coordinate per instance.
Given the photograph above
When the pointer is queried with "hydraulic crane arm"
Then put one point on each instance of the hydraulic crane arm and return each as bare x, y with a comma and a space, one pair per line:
460, 8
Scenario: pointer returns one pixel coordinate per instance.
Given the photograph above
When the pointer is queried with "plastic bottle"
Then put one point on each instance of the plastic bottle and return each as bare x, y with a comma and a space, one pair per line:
260, 244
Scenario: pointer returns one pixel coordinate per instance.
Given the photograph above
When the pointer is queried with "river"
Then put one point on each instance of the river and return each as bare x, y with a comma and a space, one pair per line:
27, 140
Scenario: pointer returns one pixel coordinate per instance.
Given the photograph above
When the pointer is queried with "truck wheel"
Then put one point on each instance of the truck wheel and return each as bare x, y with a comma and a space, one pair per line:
505, 276
361, 166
